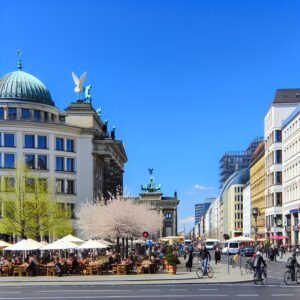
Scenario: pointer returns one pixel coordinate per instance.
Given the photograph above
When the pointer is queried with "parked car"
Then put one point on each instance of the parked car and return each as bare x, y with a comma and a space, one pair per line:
249, 251
211, 244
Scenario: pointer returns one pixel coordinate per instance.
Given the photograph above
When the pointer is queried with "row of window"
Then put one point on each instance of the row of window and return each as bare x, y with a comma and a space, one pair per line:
238, 216
62, 186
38, 161
294, 126
11, 113
274, 137
37, 141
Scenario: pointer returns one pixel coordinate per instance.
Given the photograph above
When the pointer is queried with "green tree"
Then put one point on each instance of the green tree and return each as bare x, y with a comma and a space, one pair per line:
30, 207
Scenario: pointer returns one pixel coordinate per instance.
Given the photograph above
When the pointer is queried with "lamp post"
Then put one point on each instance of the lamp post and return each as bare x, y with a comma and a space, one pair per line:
255, 212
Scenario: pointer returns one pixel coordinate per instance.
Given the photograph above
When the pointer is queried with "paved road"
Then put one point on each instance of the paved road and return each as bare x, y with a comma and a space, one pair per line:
151, 292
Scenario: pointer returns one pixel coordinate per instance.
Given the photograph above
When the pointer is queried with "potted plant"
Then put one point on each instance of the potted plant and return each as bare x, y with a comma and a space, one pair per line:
171, 259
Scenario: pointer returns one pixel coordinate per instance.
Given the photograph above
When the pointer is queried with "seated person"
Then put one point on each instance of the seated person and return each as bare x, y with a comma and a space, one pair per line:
75, 265
32, 267
58, 268
128, 265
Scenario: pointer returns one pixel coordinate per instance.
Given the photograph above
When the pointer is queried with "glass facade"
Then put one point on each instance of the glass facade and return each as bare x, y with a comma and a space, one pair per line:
12, 113
60, 144
29, 141
9, 160
42, 162
59, 163
25, 113
29, 161
42, 142
70, 165
9, 140
70, 145
60, 189
70, 187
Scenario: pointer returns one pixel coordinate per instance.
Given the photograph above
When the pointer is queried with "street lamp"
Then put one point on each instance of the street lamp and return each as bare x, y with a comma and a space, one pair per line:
255, 213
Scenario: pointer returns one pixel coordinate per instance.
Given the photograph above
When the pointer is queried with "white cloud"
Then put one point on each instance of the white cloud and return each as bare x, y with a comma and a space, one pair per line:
187, 220
202, 187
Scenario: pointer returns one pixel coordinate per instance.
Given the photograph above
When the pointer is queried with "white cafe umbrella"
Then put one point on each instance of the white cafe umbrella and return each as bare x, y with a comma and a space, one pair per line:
60, 245
72, 238
90, 244
141, 242
24, 245
104, 242
4, 244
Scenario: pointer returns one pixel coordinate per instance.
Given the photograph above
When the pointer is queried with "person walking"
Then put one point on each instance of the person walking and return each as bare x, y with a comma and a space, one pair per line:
189, 263
205, 256
217, 255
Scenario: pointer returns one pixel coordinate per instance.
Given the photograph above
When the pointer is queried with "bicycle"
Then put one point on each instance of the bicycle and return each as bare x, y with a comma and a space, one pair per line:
288, 277
200, 272
260, 279
248, 267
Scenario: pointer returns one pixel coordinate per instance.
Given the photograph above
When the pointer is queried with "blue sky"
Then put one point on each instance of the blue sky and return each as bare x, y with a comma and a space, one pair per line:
183, 81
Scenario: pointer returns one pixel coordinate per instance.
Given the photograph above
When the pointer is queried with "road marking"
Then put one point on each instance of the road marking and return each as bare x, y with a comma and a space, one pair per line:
282, 295
208, 289
174, 290
83, 291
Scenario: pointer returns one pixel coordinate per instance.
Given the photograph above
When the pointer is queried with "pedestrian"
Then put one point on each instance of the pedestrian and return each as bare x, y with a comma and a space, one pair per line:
205, 256
189, 263
217, 255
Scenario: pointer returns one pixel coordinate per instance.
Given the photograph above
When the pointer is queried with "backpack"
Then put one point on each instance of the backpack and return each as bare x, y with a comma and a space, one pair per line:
289, 262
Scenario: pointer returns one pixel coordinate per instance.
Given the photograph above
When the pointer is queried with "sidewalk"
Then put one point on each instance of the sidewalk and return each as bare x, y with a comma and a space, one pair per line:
162, 277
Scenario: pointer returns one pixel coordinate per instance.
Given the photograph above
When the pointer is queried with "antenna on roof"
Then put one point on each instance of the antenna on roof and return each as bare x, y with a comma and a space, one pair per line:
19, 54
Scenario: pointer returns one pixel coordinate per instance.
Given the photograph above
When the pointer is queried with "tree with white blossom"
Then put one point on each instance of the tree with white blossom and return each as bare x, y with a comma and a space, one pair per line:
118, 218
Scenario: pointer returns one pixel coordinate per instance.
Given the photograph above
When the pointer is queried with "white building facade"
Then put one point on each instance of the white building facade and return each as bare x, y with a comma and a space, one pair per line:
285, 101
291, 177
247, 210
71, 150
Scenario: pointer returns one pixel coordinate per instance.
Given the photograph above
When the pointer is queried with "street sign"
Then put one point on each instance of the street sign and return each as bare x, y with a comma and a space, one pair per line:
145, 234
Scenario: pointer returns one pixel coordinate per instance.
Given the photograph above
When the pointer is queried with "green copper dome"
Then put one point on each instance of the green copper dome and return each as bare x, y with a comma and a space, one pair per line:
22, 86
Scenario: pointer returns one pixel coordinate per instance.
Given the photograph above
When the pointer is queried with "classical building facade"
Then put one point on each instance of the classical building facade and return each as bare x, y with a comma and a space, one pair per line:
285, 101
257, 187
291, 177
167, 206
247, 210
71, 148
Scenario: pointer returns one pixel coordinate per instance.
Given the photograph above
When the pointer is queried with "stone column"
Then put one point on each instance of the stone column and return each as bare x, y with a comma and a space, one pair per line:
174, 217
162, 224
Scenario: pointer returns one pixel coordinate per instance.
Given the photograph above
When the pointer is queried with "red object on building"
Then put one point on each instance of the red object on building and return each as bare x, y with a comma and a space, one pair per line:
145, 234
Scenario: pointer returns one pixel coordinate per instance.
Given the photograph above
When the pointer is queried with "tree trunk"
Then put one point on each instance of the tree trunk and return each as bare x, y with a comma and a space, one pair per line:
123, 246
126, 253
118, 245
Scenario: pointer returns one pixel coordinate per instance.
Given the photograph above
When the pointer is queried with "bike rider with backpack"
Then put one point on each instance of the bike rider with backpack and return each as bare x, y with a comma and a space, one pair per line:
258, 261
292, 264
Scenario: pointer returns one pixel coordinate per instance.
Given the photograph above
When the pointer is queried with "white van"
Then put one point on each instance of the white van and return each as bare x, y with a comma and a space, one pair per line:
211, 244
231, 247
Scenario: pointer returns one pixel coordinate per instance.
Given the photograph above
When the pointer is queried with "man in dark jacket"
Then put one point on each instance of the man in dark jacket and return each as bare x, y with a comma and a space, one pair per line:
258, 261
189, 263
294, 264
205, 256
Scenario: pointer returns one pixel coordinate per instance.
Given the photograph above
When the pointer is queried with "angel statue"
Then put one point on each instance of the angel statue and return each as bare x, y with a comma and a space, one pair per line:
87, 95
79, 83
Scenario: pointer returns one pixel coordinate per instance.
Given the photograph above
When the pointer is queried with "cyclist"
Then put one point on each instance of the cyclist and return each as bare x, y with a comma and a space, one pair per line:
257, 263
291, 264
205, 256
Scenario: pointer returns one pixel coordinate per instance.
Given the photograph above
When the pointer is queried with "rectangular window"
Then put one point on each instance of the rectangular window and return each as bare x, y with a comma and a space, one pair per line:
1, 113
29, 141
9, 184
9, 160
42, 142
70, 145
29, 161
42, 162
60, 144
29, 185
278, 136
9, 140
278, 156
43, 184
12, 113
70, 165
45, 116
70, 187
25, 113
71, 208
36, 115
60, 163
278, 178
60, 186
278, 199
